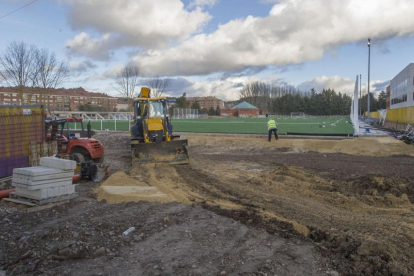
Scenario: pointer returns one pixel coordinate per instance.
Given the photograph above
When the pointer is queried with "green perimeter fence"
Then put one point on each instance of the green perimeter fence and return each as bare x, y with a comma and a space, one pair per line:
313, 126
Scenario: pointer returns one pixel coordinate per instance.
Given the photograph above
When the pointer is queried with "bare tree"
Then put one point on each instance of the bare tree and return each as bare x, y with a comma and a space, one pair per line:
126, 82
158, 85
17, 66
49, 72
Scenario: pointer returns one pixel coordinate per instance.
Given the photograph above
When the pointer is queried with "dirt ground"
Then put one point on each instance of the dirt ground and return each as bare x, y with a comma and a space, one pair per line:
243, 206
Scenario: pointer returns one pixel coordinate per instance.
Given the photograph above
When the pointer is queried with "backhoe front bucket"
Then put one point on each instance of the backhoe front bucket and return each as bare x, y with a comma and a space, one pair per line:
172, 152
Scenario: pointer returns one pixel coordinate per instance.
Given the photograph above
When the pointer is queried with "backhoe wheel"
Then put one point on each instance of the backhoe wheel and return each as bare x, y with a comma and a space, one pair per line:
78, 157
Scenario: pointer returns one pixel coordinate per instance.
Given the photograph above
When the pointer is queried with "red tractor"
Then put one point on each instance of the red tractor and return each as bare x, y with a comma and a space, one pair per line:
76, 146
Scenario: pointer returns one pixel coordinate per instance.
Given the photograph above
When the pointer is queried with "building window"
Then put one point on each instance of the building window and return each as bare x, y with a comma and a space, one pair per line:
399, 87
399, 99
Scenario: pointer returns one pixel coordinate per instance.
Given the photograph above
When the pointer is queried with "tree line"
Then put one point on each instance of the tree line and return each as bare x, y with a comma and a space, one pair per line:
374, 104
27, 66
284, 100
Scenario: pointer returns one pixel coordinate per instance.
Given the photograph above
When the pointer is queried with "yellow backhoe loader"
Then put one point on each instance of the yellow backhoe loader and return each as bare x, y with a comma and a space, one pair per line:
152, 139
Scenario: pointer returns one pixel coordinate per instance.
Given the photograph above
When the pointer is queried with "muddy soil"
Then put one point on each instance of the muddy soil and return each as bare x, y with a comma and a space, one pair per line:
359, 206
85, 238
242, 206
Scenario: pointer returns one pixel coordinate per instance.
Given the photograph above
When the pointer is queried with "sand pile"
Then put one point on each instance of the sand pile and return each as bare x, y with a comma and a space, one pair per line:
120, 187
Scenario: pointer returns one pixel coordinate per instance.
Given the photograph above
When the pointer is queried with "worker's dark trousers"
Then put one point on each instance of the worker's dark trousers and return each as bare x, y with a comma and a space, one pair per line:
270, 133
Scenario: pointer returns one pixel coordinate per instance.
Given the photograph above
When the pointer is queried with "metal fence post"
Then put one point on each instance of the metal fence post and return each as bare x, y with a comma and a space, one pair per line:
115, 123
101, 124
75, 125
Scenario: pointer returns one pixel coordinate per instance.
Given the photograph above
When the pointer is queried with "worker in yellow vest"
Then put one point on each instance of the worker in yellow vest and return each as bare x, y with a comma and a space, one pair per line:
271, 127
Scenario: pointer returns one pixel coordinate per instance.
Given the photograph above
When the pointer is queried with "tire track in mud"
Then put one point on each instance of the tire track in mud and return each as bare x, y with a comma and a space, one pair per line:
201, 182
252, 215
348, 247
336, 166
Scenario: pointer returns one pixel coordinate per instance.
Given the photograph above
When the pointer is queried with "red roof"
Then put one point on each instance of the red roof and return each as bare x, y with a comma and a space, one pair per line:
79, 92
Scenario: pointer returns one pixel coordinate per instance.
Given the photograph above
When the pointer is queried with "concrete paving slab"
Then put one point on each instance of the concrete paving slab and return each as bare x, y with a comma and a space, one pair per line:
44, 185
57, 163
367, 130
45, 193
30, 182
44, 177
39, 171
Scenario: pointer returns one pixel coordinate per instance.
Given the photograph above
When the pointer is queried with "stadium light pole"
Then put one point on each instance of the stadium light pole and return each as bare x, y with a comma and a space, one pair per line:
369, 65
360, 96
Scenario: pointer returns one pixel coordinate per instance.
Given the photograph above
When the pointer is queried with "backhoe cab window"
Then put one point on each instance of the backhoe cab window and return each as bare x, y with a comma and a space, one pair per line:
156, 109
142, 109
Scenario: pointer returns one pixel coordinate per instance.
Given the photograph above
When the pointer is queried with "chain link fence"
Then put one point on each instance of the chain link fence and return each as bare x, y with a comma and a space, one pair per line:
185, 113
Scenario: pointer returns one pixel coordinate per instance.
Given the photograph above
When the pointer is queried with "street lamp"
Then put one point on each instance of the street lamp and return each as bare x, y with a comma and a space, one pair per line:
369, 65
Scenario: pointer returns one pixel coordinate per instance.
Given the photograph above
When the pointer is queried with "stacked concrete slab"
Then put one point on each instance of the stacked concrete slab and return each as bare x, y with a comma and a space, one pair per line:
52, 178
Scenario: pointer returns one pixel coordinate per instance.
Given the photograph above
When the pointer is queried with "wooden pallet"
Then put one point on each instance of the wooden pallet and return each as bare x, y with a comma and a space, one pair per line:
34, 205
4, 179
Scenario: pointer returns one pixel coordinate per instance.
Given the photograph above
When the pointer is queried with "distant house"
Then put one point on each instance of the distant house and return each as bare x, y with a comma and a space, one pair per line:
243, 109
122, 106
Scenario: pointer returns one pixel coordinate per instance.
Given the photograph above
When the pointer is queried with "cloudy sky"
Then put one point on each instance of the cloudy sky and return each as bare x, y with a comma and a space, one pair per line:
213, 47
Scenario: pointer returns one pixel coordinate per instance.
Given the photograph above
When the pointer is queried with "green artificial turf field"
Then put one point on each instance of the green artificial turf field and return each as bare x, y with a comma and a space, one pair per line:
324, 126
335, 126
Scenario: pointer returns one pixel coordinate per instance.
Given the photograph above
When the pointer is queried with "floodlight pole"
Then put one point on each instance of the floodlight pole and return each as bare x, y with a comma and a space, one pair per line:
369, 65
360, 96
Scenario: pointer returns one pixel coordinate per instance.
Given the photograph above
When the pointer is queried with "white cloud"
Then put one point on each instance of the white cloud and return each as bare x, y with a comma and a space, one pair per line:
202, 3
343, 85
110, 73
138, 23
223, 88
84, 45
295, 31
80, 66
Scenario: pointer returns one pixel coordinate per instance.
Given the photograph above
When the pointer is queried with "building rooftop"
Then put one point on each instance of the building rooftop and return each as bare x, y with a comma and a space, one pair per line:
243, 105
204, 98
74, 92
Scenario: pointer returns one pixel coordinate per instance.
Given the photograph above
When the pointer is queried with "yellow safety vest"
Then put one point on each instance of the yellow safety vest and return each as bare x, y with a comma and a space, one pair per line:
271, 124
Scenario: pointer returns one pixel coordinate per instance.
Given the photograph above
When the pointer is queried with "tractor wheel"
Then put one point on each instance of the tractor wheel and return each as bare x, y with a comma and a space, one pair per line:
79, 158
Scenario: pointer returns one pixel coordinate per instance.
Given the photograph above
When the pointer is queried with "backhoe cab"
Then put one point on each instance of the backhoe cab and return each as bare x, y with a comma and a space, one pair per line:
152, 139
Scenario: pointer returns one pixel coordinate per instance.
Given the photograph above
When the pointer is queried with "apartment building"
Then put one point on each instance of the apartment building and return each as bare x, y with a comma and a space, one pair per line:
60, 99
207, 102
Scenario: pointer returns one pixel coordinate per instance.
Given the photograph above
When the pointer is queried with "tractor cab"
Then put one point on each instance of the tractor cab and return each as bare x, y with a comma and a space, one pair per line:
68, 129
76, 146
